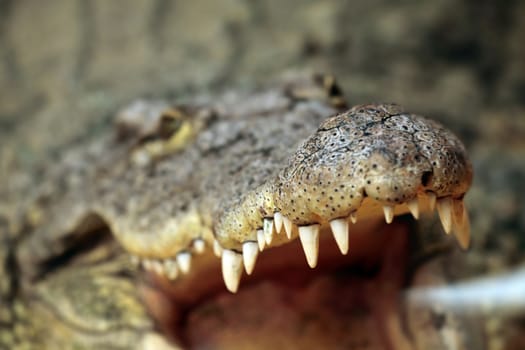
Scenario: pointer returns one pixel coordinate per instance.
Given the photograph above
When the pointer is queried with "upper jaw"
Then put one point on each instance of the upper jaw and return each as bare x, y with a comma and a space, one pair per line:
371, 162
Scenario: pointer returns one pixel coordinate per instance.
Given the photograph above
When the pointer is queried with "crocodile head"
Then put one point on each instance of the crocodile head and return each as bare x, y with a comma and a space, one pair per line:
247, 184
349, 178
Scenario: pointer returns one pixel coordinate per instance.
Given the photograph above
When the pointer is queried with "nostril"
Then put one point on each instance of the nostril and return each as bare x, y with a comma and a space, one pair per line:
426, 178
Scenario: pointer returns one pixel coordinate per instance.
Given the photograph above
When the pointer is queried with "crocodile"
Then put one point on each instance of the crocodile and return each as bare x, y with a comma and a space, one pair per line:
274, 217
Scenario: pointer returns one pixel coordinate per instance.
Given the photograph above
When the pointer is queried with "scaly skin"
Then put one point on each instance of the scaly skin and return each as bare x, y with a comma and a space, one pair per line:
376, 151
211, 173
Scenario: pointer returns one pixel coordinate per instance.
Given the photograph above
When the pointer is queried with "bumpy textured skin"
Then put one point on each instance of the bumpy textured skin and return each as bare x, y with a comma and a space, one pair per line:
379, 151
376, 151
157, 209
227, 163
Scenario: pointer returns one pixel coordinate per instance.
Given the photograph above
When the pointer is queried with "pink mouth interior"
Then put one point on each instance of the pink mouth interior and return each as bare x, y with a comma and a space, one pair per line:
350, 301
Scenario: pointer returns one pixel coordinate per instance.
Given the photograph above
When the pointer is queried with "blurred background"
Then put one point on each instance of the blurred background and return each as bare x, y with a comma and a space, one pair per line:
67, 65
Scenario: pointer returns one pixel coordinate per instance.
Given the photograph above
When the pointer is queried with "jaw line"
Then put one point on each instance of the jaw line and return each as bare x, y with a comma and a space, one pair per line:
378, 253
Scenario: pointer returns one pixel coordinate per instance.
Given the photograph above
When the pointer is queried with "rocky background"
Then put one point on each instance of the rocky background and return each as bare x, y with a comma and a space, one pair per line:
67, 65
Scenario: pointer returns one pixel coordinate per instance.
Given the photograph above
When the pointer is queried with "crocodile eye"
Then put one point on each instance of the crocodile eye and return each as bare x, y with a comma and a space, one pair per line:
167, 132
169, 124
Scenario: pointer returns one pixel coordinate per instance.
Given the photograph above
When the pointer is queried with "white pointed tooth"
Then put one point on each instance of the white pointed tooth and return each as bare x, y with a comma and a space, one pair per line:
309, 236
268, 230
389, 213
158, 268
147, 264
431, 200
217, 249
171, 269
231, 269
413, 206
184, 261
444, 207
340, 230
353, 217
461, 223
250, 250
199, 245
278, 220
135, 260
261, 241
288, 226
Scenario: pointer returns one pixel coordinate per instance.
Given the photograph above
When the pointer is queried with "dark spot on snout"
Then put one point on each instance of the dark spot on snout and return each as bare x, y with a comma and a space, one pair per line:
426, 178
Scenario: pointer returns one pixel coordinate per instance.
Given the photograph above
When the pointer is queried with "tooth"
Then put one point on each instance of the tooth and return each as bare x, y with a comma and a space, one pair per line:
171, 269
158, 268
413, 206
389, 213
260, 239
231, 269
461, 223
431, 200
184, 261
147, 264
135, 260
353, 217
309, 236
217, 249
287, 227
249, 255
278, 220
268, 230
444, 207
199, 245
340, 231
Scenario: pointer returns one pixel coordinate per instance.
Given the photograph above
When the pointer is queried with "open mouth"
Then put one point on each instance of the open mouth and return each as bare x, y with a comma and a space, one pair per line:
350, 298
336, 201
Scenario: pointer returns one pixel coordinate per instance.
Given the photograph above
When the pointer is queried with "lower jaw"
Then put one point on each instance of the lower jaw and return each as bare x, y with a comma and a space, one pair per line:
351, 302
